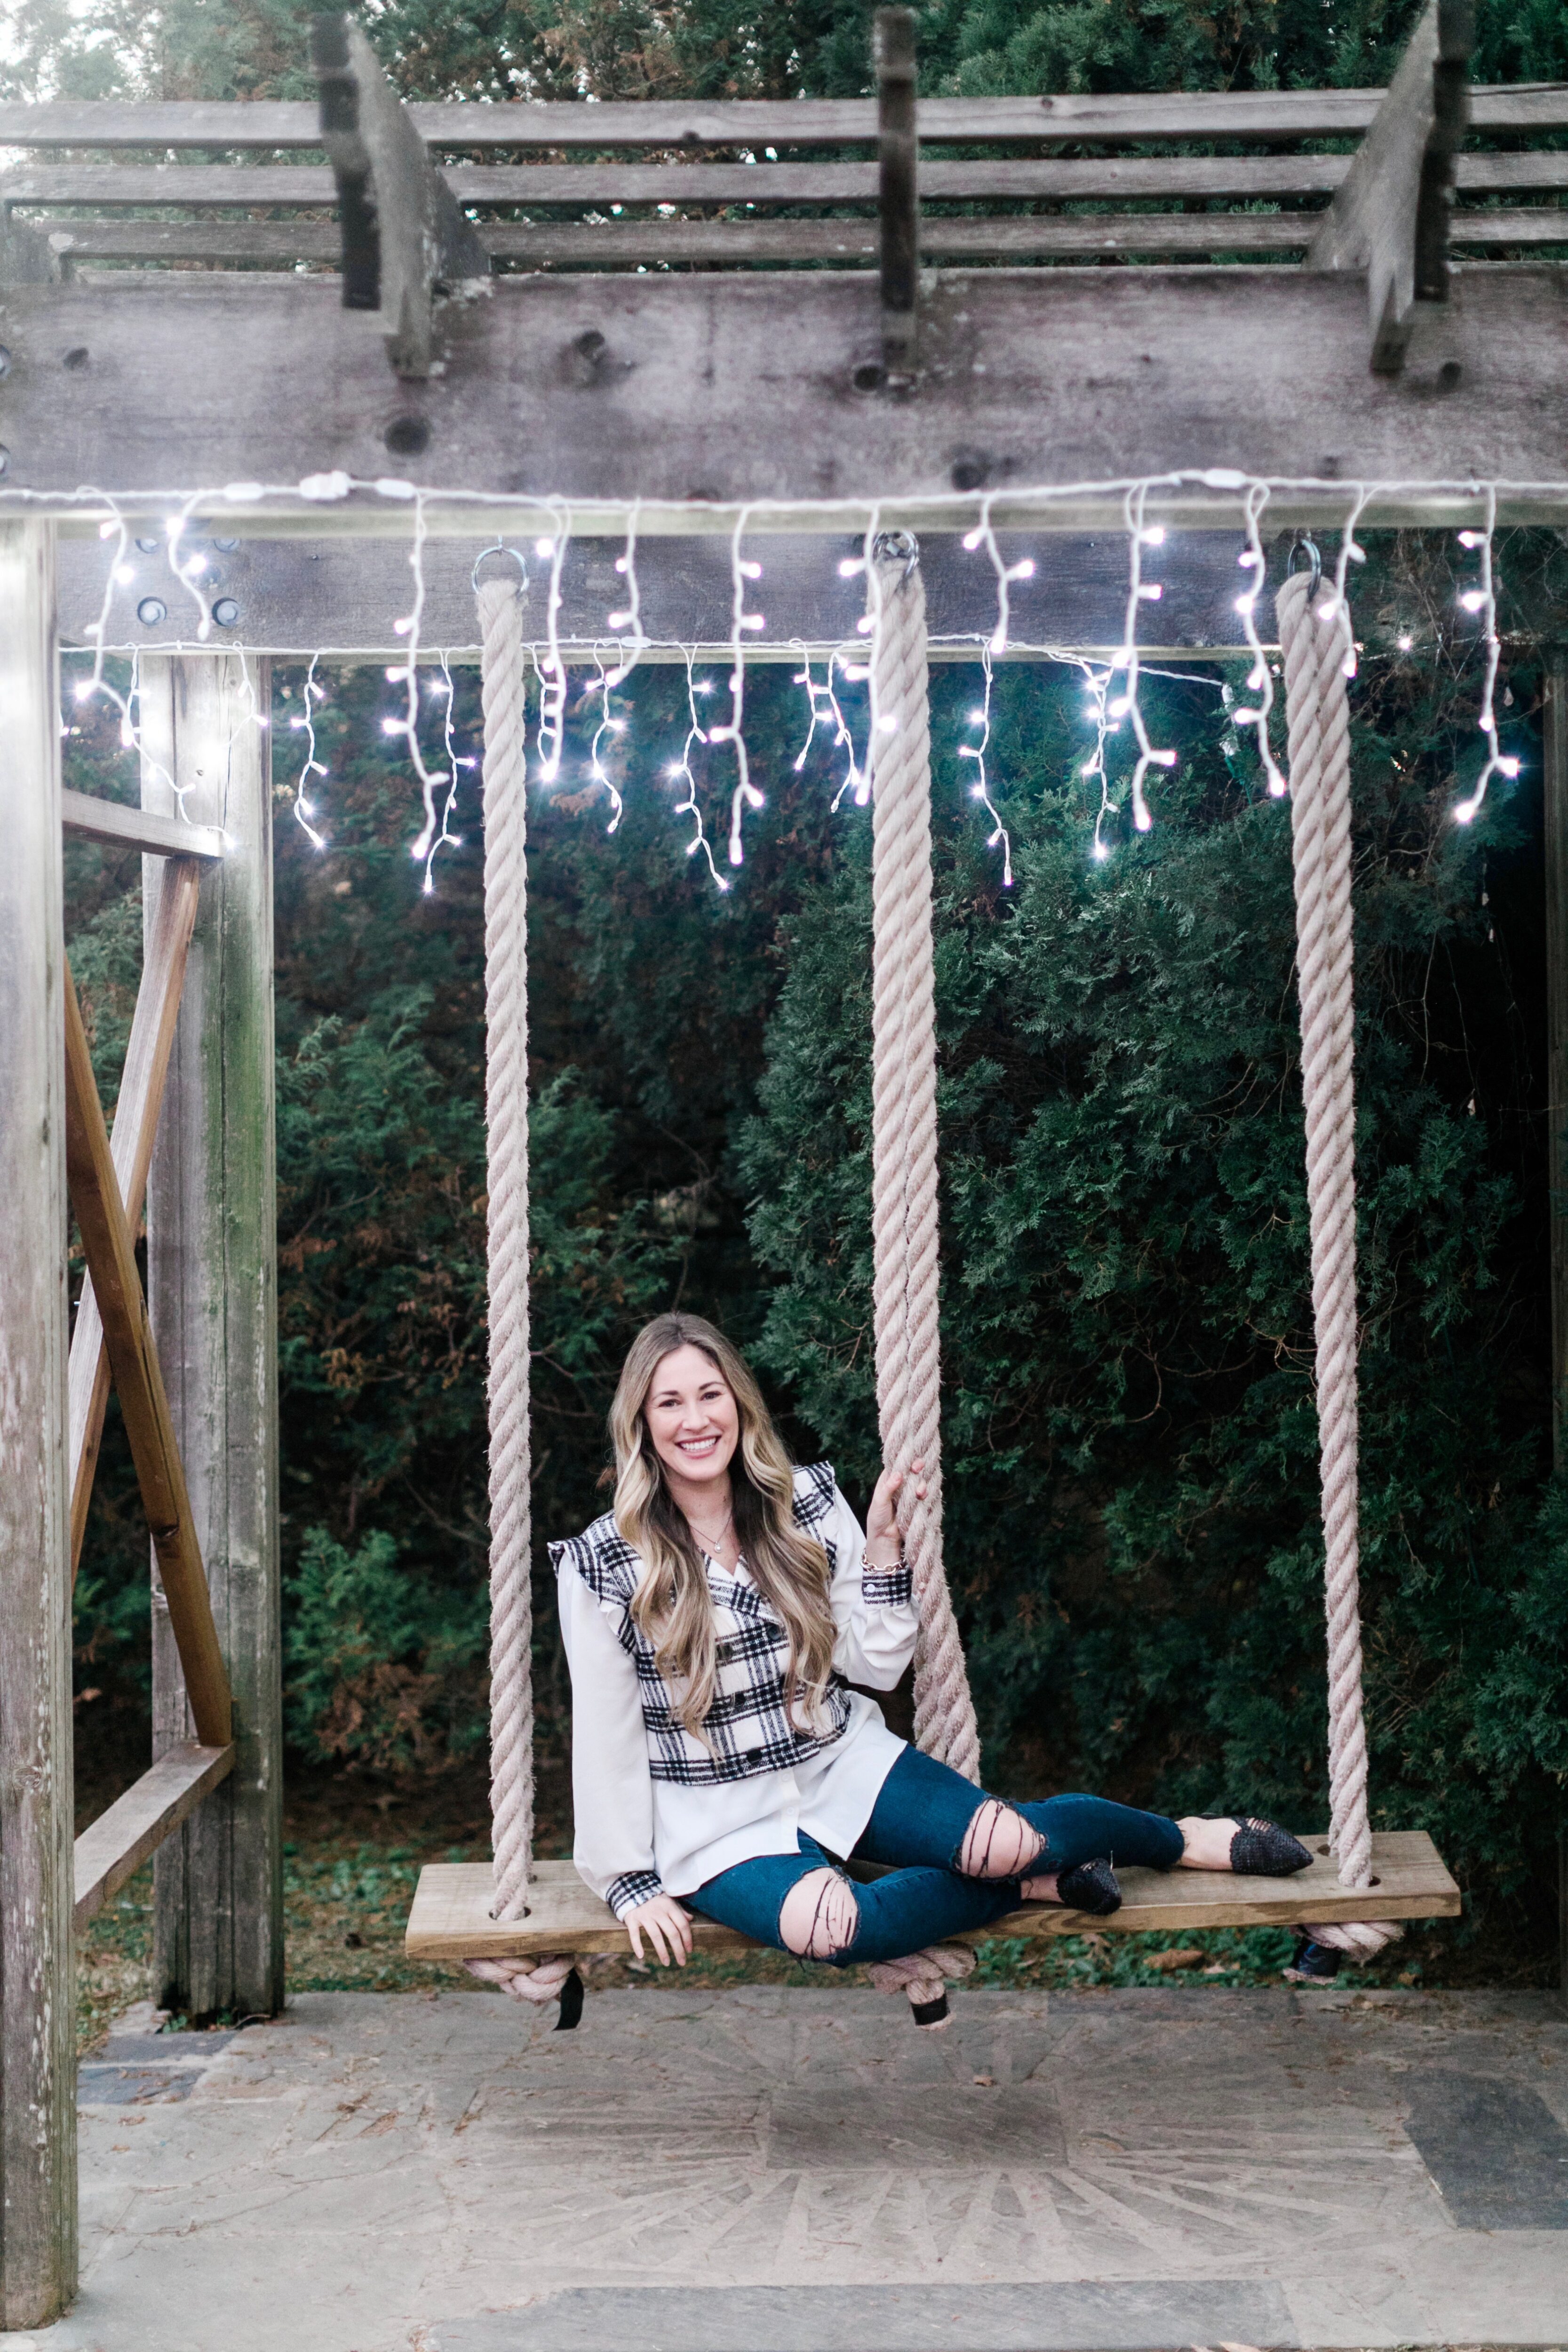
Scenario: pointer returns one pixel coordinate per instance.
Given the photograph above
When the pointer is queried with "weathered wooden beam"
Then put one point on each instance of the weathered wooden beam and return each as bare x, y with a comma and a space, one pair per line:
133, 828
136, 1824
581, 389
250, 126
37, 1987
898, 192
212, 1277
338, 597
1389, 215
110, 1255
131, 1148
406, 241
980, 178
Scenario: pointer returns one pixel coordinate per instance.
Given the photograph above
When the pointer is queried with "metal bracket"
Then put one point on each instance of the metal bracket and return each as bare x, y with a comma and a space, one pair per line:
1390, 213
897, 194
406, 239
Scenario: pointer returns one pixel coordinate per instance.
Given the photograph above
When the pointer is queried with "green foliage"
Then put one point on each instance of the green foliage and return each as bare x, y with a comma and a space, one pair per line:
1130, 1445
739, 48
378, 1663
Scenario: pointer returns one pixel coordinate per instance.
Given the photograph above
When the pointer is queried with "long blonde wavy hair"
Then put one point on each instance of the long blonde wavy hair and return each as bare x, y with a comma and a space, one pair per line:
672, 1606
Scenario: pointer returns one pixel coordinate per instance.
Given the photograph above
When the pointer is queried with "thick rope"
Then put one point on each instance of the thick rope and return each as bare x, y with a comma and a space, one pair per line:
1314, 639
904, 1136
505, 1111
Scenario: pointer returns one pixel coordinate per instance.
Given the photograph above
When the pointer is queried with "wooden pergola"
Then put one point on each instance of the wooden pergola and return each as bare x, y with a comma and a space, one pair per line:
690, 324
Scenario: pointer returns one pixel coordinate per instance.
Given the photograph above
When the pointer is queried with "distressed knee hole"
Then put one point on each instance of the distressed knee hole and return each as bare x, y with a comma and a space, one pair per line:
999, 1843
819, 1917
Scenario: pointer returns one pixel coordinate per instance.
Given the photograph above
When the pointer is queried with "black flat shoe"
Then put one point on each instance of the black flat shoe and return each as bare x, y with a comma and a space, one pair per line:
1089, 1886
1263, 1850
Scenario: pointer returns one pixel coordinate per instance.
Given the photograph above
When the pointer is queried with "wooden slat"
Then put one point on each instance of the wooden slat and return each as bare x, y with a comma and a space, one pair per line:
111, 1261
572, 244
131, 1148
136, 1824
1070, 179
134, 828
450, 1916
241, 126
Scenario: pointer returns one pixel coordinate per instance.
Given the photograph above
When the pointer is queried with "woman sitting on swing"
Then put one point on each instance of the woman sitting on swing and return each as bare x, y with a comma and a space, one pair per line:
714, 1621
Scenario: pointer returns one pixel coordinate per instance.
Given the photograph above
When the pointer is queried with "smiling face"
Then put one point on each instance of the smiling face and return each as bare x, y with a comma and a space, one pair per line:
693, 1420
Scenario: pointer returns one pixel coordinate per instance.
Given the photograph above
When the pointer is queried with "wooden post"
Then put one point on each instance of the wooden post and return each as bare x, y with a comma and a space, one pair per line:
899, 208
212, 1286
1555, 803
38, 1984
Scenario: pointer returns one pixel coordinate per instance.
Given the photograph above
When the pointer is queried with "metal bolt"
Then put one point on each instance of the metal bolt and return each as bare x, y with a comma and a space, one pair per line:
76, 358
149, 546
226, 546
225, 612
150, 611
4, 460
5, 360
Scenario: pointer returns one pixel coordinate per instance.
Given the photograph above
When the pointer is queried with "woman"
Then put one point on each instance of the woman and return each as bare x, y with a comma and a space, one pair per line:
713, 1621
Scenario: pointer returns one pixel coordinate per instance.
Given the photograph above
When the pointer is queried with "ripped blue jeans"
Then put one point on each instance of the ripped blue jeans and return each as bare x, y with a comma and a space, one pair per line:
919, 1824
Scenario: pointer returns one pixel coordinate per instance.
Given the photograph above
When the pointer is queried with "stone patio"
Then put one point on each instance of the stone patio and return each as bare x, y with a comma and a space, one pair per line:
768, 2170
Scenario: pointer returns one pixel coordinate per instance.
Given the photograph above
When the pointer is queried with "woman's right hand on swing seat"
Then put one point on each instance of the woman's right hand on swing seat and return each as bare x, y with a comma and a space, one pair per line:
667, 1925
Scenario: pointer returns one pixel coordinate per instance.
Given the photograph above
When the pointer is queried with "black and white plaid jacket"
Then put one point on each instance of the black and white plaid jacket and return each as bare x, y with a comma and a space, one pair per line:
749, 1732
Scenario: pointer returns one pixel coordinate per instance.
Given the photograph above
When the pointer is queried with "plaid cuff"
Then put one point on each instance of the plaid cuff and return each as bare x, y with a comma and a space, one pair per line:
632, 1887
888, 1588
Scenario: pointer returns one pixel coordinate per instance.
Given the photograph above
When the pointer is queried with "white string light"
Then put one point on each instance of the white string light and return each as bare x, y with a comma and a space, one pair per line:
1350, 552
552, 668
627, 565
1126, 704
87, 690
984, 536
337, 486
606, 726
816, 695
303, 807
980, 790
1098, 684
1260, 678
446, 838
1483, 600
745, 794
406, 674
682, 768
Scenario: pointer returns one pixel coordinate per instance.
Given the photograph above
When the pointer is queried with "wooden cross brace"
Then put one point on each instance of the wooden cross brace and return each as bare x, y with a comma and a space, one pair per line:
113, 1336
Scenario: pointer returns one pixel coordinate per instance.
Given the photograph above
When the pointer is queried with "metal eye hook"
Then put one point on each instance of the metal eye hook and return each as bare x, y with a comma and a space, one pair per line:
500, 548
897, 547
1305, 545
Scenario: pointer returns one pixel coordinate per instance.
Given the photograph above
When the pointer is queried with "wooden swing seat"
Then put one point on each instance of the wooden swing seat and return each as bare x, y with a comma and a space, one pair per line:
450, 1919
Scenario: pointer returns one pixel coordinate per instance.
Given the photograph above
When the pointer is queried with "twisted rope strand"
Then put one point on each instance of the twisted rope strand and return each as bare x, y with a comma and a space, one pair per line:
506, 1112
1314, 641
904, 1141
